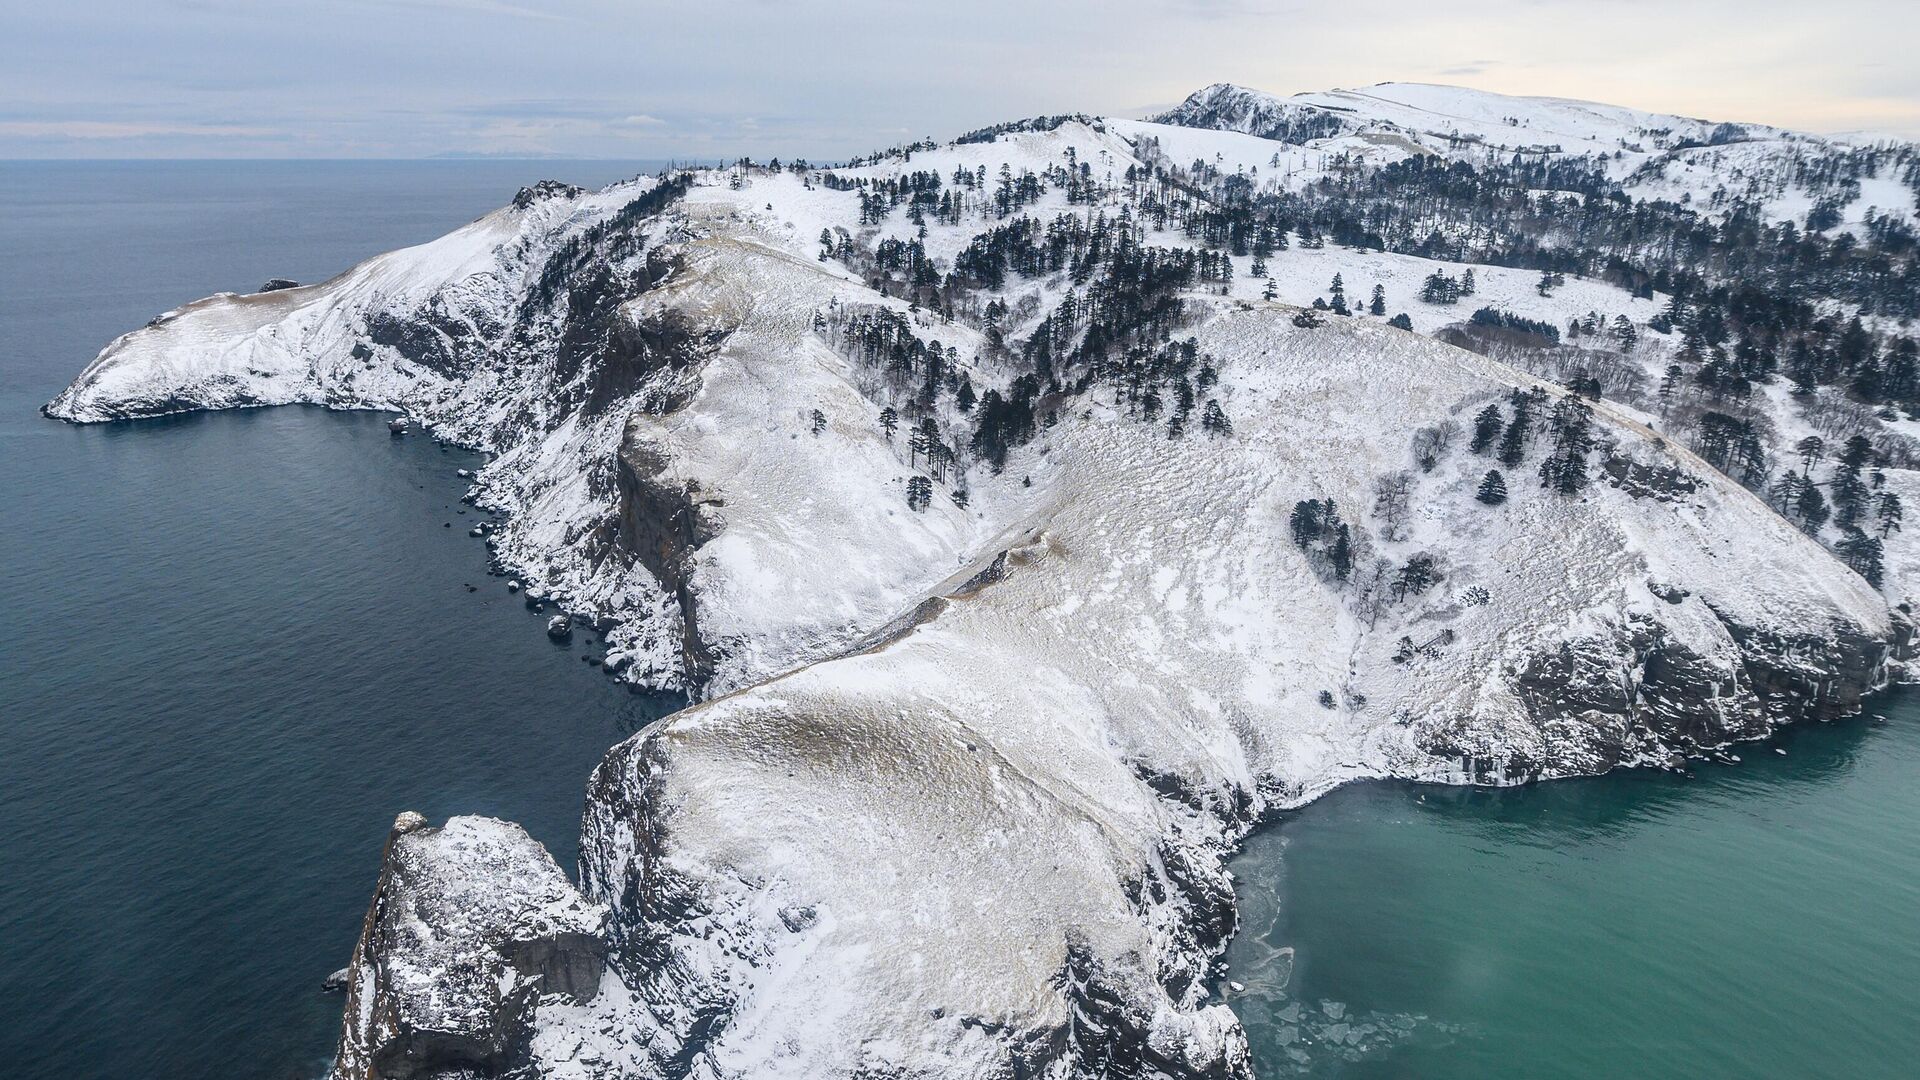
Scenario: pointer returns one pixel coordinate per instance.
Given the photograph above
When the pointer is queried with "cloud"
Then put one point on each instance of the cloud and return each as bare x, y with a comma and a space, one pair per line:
481, 7
124, 129
1230, 9
535, 109
591, 78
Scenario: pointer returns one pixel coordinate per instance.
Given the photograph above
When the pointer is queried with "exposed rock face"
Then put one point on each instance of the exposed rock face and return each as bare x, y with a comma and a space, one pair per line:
471, 929
662, 522
544, 189
1224, 107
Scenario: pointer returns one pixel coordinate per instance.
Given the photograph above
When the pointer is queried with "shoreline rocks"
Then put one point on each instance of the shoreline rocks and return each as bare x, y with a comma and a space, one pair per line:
472, 930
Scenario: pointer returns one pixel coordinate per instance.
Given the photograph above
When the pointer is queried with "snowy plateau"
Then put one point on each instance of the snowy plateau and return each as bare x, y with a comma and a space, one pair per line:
1028, 515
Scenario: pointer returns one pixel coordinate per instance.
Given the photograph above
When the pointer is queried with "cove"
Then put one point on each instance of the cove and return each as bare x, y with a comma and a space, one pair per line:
234, 646
1750, 919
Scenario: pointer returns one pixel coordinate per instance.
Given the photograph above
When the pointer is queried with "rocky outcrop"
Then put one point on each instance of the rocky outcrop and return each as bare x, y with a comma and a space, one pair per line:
1111, 1035
543, 190
1646, 696
471, 929
1817, 676
1225, 107
662, 520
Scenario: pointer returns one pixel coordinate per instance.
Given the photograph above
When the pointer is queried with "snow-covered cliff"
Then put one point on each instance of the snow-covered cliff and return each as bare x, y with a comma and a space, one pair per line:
981, 714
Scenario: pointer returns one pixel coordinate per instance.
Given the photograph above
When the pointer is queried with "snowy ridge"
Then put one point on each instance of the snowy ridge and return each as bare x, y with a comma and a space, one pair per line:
957, 794
1653, 155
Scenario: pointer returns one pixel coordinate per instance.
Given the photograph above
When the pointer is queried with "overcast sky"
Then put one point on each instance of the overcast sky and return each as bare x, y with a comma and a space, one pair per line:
637, 79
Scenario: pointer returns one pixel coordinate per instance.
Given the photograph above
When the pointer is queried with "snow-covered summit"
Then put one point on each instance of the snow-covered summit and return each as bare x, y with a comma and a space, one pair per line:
1649, 154
1453, 117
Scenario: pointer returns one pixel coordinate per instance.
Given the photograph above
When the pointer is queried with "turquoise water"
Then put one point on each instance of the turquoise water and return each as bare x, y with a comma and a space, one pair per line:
234, 646
1760, 919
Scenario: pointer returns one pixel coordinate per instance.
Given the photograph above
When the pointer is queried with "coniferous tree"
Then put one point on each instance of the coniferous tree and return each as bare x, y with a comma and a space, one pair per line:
1863, 553
1849, 492
1318, 530
1565, 469
1307, 522
1378, 306
1493, 488
919, 493
1416, 577
1810, 449
1487, 425
1784, 492
1811, 509
1438, 288
889, 420
1513, 441
1889, 512
1340, 553
1669, 386
1213, 419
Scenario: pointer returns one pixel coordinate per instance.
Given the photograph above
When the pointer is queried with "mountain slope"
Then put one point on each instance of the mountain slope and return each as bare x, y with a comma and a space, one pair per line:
1651, 155
1021, 554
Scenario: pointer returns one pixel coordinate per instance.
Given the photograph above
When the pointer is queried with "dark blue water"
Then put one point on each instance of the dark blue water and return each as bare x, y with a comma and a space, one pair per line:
234, 646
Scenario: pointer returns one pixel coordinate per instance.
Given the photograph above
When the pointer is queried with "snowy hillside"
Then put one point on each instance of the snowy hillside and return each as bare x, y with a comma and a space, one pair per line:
1652, 155
1031, 513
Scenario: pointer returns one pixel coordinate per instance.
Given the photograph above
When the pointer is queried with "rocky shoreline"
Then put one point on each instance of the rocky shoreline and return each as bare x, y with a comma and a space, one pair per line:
545, 944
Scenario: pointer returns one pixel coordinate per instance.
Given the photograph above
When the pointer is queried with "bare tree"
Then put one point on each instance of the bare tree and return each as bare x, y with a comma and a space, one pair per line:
1371, 588
1392, 502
